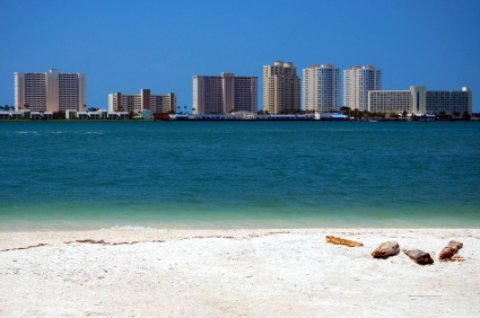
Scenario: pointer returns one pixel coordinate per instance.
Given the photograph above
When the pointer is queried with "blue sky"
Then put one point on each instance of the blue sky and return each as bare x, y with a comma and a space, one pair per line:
128, 45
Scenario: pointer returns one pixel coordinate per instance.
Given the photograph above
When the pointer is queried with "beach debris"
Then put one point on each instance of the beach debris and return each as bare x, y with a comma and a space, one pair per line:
386, 249
90, 241
454, 259
451, 249
23, 248
418, 256
103, 242
342, 241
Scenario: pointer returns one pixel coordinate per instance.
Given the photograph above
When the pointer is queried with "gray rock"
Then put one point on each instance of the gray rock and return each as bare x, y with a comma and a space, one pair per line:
419, 257
386, 249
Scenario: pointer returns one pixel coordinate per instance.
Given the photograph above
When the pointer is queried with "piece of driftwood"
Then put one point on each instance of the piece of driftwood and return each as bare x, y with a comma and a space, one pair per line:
24, 248
103, 242
90, 241
386, 249
342, 241
451, 249
419, 257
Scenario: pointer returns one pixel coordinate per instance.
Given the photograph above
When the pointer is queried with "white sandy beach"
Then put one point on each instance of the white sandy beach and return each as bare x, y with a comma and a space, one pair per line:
234, 273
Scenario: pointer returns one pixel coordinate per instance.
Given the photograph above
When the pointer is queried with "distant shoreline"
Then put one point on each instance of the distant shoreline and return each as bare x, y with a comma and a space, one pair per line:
103, 116
224, 120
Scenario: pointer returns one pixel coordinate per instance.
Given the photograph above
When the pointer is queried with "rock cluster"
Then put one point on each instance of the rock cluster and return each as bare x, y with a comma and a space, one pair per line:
392, 248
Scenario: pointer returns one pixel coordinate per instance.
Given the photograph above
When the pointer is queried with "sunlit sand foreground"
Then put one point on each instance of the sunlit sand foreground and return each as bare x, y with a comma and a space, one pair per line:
234, 273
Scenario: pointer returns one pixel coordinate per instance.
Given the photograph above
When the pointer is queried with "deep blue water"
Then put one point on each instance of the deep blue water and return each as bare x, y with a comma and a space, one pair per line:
239, 174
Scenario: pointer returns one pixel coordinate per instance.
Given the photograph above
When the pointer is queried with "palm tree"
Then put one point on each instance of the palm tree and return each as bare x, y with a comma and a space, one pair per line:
345, 110
356, 114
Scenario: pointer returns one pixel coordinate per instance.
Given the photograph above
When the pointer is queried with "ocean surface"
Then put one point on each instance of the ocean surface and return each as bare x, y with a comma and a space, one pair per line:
90, 175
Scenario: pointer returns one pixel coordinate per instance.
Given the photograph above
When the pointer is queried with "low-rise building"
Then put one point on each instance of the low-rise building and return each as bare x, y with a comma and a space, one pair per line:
158, 104
418, 100
449, 102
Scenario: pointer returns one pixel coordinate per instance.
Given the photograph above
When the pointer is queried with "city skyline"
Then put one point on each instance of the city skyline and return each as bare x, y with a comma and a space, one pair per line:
432, 43
53, 91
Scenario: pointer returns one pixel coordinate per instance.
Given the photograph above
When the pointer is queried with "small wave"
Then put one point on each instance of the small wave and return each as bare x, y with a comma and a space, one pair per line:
26, 132
90, 133
129, 228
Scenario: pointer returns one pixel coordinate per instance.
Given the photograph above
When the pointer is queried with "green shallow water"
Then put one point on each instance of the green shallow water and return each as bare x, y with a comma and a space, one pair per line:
87, 175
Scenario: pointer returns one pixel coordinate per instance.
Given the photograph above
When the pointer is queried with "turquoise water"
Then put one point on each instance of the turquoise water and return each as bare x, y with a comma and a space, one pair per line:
85, 175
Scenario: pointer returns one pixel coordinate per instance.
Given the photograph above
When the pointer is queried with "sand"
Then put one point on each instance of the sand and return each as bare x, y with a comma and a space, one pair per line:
234, 273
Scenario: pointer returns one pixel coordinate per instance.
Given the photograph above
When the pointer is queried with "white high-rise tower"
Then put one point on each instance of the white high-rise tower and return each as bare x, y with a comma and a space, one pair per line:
357, 82
321, 88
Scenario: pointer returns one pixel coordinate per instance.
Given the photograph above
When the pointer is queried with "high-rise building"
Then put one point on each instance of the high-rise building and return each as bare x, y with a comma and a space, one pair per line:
321, 88
418, 100
224, 94
357, 82
159, 104
281, 88
49, 92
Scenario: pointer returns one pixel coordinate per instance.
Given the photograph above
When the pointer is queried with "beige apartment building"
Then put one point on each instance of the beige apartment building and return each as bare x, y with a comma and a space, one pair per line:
419, 100
224, 94
50, 91
157, 104
281, 88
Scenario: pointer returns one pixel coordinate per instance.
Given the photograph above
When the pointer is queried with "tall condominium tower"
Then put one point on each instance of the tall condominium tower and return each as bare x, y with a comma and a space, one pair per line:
49, 92
224, 94
160, 104
357, 82
321, 88
281, 88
